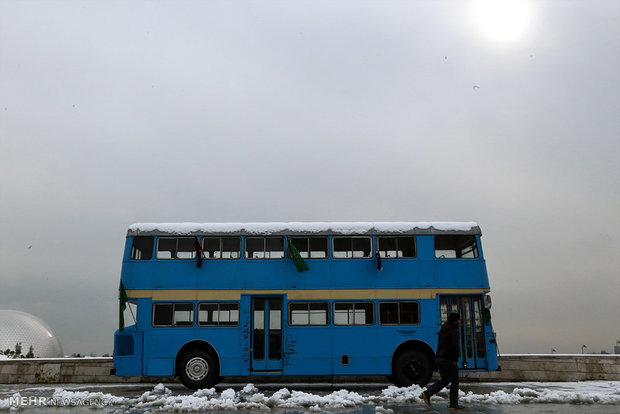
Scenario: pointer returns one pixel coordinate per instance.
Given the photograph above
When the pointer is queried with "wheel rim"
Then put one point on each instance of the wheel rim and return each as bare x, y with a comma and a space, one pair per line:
197, 368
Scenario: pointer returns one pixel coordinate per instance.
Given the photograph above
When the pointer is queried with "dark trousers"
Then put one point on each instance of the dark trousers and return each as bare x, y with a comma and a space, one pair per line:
449, 374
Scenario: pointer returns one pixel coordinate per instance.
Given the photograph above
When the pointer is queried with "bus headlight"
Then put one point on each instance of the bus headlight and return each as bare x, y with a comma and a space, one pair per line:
487, 302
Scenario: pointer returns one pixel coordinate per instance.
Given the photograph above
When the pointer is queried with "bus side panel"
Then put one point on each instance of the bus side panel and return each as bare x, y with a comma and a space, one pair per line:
128, 352
159, 367
461, 273
160, 348
243, 367
491, 348
391, 337
137, 274
308, 350
402, 272
163, 344
355, 349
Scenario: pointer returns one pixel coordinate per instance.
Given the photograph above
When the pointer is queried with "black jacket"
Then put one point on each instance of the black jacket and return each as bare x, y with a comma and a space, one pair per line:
449, 344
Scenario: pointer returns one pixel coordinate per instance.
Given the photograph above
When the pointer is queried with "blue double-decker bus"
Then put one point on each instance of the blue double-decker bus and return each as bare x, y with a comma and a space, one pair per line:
300, 299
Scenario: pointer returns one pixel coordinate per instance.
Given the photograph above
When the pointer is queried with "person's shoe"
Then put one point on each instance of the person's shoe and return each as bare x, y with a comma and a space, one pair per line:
457, 408
425, 399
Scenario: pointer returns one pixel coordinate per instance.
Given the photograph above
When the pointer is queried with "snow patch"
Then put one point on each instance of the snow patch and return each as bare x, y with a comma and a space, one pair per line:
74, 397
161, 398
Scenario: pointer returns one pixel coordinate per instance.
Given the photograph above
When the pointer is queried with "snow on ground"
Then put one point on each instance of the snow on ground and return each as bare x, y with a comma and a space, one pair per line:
161, 398
587, 392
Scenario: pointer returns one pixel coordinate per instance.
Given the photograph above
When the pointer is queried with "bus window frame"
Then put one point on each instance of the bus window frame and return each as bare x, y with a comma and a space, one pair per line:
135, 249
176, 248
417, 302
193, 324
289, 315
476, 249
219, 302
245, 251
221, 249
415, 246
333, 251
353, 302
309, 250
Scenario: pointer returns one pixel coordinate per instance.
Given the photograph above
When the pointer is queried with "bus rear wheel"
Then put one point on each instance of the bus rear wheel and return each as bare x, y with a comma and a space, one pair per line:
412, 367
197, 370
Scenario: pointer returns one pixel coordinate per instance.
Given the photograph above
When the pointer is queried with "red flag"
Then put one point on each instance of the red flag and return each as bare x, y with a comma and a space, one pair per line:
379, 265
198, 252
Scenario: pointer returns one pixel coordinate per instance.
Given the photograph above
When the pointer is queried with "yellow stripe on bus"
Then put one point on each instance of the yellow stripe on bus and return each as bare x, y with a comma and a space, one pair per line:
296, 294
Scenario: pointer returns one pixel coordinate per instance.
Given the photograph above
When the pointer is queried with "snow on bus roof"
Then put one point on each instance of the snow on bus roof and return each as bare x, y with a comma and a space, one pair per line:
299, 228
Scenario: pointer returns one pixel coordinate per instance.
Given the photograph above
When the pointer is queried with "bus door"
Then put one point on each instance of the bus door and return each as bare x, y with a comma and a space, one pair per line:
266, 333
473, 352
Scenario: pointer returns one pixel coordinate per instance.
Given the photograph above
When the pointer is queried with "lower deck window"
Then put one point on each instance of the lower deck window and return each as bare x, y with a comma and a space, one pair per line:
308, 313
173, 314
354, 313
218, 314
399, 313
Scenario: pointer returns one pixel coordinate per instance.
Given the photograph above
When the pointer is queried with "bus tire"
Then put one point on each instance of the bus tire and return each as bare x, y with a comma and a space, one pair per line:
412, 367
198, 369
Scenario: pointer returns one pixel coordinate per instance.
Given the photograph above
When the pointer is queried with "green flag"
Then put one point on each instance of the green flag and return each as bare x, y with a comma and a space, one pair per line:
294, 254
122, 305
486, 316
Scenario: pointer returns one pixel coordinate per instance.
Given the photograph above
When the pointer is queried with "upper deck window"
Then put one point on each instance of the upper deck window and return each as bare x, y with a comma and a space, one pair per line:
142, 248
456, 247
264, 247
310, 247
176, 248
221, 247
352, 247
396, 247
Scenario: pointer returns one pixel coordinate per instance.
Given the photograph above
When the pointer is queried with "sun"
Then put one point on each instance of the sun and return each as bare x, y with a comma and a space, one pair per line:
503, 20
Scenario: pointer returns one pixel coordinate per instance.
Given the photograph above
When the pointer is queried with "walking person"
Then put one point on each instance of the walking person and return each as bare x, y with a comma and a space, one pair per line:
446, 358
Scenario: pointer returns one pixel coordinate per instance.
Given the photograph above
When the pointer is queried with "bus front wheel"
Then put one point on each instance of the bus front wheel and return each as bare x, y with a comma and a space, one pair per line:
197, 370
412, 367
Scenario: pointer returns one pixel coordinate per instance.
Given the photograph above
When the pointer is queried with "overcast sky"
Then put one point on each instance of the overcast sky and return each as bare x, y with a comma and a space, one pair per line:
119, 112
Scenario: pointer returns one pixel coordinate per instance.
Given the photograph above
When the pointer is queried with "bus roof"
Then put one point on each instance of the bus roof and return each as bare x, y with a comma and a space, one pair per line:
303, 228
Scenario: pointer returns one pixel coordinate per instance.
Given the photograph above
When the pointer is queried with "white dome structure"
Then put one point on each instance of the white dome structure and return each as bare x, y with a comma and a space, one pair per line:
21, 327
